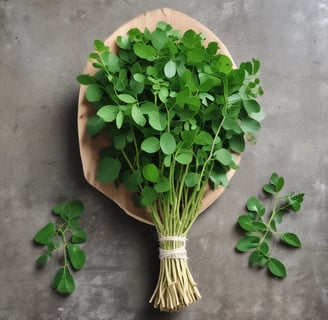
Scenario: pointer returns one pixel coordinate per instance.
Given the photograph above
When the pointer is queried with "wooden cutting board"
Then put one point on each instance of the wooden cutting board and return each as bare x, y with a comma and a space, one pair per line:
89, 147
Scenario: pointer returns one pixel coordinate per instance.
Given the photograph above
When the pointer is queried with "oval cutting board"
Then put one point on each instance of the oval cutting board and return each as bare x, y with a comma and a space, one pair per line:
89, 147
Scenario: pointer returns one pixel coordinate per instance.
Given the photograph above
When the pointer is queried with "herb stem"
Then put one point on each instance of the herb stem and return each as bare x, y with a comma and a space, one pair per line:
273, 214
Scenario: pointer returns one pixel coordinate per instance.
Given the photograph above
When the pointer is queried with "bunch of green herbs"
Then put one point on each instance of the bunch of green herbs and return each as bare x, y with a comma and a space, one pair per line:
176, 113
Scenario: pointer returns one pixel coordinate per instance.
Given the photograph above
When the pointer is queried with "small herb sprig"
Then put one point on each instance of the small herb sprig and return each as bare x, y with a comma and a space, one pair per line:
260, 233
65, 235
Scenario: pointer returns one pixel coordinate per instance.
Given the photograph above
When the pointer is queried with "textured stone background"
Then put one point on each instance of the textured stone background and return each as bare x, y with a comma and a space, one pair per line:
43, 46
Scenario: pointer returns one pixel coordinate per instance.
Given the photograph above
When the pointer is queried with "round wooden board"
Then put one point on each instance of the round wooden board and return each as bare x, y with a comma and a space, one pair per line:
89, 147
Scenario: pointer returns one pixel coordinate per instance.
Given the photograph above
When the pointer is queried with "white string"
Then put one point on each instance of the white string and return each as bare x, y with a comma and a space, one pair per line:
178, 253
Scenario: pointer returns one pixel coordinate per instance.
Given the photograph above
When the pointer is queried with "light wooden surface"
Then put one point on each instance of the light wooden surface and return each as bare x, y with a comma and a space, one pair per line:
89, 147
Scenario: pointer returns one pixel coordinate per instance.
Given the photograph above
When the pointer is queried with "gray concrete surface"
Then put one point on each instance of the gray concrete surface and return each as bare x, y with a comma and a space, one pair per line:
43, 46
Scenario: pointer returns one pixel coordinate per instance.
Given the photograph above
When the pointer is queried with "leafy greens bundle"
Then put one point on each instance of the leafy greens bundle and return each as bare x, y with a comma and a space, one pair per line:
176, 114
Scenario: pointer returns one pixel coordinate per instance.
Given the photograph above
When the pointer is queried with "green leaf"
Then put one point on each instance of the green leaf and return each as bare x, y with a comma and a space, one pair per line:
224, 64
203, 138
254, 205
170, 69
162, 186
45, 234
76, 256
108, 169
295, 201
163, 94
237, 143
167, 143
150, 172
250, 125
108, 113
79, 237
269, 188
207, 82
157, 121
193, 103
94, 56
246, 243
64, 282
132, 180
212, 48
113, 63
273, 179
263, 262
139, 77
258, 116
277, 268
219, 177
251, 106
150, 145
273, 225
144, 51
188, 137
137, 87
119, 119
184, 156
148, 196
196, 56
74, 224
123, 42
167, 161
192, 179
127, 98
100, 45
94, 125
148, 107
291, 239
256, 65
75, 209
42, 260
264, 248
119, 142
255, 257
279, 216
259, 226
159, 39
52, 246
223, 156
232, 125
280, 184
137, 116
59, 208
190, 39
86, 79
93, 93
246, 223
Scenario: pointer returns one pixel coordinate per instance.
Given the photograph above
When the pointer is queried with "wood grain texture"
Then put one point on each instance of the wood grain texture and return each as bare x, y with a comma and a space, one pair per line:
90, 147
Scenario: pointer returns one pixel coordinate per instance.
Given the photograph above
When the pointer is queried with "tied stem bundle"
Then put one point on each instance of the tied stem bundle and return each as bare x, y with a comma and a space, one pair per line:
176, 287
176, 114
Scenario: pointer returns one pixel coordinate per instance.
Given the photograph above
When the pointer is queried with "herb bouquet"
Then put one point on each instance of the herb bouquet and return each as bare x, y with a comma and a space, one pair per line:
176, 114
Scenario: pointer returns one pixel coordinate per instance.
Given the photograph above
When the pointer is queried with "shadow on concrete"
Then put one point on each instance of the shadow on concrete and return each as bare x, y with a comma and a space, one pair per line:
72, 152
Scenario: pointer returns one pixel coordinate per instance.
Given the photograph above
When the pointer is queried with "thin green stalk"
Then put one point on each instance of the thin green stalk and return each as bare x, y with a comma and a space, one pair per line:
273, 214
127, 160
211, 152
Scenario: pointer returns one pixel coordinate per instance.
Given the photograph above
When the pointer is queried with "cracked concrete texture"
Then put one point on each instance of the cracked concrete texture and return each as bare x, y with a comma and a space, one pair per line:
44, 45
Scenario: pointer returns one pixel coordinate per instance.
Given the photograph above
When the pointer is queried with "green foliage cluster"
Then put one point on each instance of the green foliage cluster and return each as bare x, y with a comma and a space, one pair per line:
176, 113
260, 234
66, 235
